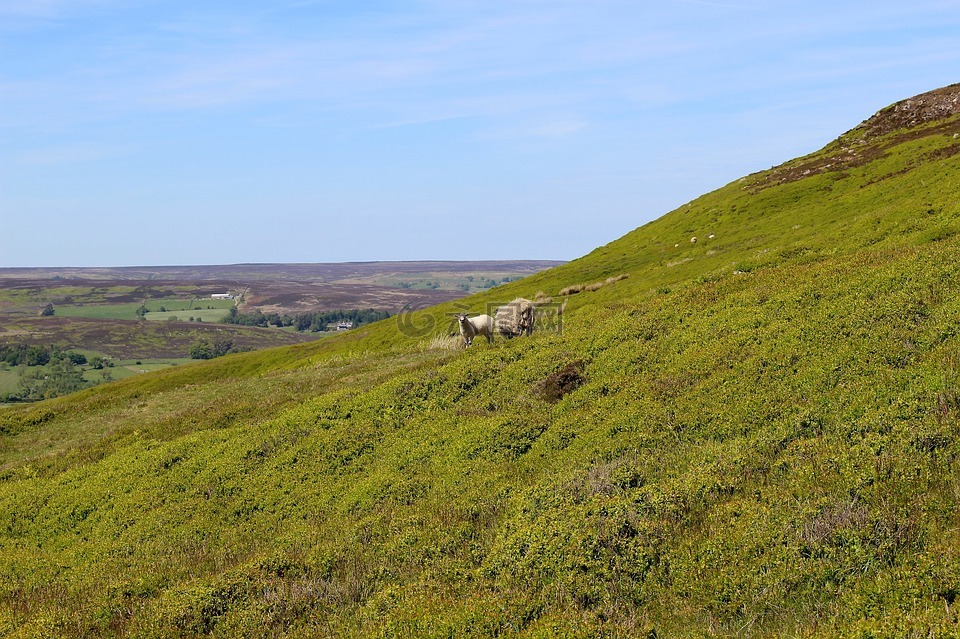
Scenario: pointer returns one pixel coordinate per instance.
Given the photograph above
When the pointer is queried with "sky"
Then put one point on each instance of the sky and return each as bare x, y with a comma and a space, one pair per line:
168, 132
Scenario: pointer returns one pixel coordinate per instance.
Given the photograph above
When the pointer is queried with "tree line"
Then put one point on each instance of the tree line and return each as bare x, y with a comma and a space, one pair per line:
319, 321
203, 349
36, 354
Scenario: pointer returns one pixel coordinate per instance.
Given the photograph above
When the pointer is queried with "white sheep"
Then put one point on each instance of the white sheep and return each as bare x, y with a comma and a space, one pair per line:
470, 327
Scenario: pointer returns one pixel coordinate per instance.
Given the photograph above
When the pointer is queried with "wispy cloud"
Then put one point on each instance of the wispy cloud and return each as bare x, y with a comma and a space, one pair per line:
423, 97
710, 3
70, 154
31, 14
551, 127
494, 59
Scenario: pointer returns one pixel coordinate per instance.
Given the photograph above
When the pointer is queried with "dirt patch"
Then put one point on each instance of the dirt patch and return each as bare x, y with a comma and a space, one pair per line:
566, 380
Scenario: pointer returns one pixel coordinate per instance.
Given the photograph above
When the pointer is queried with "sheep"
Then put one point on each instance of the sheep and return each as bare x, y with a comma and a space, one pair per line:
516, 318
473, 326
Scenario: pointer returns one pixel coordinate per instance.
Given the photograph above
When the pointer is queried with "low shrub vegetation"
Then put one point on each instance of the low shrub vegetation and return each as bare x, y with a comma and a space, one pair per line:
703, 450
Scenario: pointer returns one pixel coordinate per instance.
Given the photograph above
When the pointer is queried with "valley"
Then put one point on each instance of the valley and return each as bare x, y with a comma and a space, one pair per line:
142, 319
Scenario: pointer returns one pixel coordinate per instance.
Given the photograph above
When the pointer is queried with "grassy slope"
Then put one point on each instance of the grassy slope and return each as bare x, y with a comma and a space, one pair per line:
766, 444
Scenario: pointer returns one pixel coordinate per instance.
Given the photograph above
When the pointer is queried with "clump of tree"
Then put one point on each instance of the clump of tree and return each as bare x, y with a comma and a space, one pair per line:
45, 371
37, 355
320, 321
47, 311
25, 355
60, 378
100, 363
204, 349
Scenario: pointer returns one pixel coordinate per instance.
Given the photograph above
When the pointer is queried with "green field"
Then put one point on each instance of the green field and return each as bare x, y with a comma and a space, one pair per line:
9, 380
207, 309
756, 434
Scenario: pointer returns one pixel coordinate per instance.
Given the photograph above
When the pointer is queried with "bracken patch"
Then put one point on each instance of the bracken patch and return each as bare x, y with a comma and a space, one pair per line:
564, 381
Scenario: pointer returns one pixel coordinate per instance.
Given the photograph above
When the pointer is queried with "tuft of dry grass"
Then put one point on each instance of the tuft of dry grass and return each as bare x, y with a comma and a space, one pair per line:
443, 343
595, 286
571, 290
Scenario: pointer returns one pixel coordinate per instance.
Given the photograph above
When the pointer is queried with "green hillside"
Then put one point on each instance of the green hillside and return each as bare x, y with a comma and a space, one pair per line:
755, 434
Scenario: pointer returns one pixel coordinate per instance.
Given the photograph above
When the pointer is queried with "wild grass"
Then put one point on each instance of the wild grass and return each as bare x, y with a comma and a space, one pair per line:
699, 452
594, 286
443, 342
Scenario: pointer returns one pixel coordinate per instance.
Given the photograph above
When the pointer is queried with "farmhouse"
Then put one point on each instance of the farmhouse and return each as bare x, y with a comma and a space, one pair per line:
222, 296
344, 326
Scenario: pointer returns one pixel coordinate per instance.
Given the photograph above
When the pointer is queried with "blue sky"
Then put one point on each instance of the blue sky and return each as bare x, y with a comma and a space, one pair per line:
152, 132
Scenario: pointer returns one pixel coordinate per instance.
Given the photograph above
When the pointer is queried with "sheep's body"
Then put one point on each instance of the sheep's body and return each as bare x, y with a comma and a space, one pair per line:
470, 327
516, 318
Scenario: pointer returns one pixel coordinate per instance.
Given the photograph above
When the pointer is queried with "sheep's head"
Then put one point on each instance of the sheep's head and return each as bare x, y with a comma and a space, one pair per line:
461, 319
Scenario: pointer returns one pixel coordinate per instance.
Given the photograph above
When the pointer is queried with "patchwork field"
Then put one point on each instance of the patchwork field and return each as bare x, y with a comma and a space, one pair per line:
123, 340
290, 288
161, 315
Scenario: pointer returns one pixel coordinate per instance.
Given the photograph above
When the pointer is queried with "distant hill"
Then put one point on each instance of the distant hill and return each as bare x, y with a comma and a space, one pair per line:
276, 288
98, 310
744, 424
317, 272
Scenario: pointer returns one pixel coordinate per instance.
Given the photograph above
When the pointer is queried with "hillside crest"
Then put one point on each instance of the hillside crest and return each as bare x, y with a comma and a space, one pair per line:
924, 108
